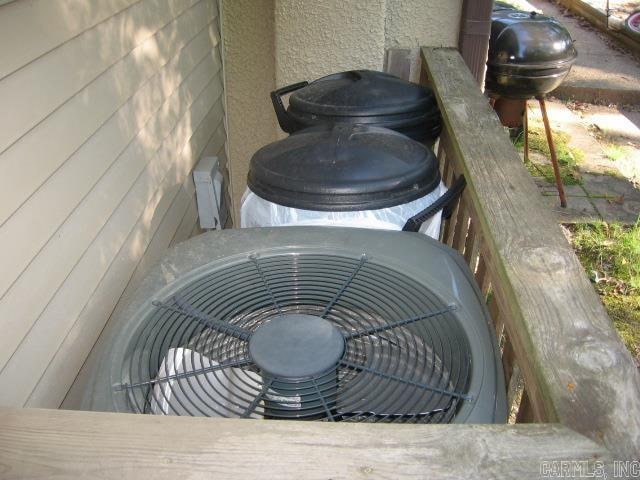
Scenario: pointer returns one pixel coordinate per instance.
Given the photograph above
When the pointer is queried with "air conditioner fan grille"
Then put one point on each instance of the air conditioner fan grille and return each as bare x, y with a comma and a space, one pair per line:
406, 356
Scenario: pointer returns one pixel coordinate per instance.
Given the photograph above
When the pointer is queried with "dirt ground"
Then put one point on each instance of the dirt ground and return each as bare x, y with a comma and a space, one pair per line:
618, 7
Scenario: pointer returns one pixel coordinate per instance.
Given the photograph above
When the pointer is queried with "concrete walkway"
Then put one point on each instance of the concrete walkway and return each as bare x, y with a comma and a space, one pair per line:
608, 16
604, 72
609, 187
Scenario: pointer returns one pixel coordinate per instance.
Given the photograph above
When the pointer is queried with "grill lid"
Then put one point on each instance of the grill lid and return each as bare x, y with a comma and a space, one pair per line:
362, 93
497, 6
346, 167
528, 40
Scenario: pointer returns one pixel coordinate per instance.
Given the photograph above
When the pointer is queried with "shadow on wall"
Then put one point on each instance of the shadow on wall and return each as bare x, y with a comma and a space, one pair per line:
249, 46
124, 109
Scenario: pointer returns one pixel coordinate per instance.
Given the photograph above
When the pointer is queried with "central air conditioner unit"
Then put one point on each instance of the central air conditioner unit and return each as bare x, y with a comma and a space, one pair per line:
330, 324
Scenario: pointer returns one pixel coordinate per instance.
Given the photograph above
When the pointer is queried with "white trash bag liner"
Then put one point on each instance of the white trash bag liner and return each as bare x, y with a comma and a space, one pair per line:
189, 382
214, 393
255, 211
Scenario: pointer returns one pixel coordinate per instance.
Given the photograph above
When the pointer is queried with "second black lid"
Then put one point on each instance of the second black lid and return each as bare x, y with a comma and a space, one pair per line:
346, 167
362, 93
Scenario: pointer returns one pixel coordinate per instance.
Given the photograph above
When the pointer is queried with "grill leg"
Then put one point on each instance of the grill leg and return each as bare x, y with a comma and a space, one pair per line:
552, 150
525, 127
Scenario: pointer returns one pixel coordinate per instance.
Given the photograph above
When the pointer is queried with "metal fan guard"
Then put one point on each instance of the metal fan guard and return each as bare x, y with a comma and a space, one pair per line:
417, 372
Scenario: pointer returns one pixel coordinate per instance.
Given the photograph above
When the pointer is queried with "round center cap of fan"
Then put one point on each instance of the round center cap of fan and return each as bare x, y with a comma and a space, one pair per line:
296, 346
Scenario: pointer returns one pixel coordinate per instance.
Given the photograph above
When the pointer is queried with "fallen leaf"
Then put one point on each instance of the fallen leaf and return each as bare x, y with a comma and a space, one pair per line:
619, 200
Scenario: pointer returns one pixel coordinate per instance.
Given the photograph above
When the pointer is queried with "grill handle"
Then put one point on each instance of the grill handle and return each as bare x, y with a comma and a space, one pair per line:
287, 123
444, 203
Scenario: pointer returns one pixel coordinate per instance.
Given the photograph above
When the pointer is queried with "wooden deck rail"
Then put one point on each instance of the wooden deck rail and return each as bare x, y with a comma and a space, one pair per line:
66, 444
553, 328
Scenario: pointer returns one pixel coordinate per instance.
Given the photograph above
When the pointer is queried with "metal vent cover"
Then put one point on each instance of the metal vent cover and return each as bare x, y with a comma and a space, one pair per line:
308, 323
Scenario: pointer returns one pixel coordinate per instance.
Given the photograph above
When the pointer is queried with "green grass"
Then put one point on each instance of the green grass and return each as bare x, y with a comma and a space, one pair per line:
610, 253
612, 172
616, 152
570, 176
568, 157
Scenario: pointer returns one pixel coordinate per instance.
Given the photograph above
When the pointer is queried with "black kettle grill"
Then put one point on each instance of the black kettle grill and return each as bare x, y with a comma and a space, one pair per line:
529, 54
363, 97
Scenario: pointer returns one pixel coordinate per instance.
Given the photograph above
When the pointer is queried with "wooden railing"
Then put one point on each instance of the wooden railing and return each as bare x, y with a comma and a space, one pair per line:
563, 360
77, 445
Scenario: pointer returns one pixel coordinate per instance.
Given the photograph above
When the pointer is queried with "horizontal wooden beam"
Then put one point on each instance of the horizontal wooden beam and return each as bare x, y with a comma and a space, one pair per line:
577, 370
71, 444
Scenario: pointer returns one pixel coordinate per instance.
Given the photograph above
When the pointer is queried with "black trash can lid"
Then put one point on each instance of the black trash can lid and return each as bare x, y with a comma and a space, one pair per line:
347, 167
362, 93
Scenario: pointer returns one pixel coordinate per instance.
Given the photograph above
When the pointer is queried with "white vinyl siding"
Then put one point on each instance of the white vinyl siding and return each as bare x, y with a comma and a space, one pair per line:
103, 117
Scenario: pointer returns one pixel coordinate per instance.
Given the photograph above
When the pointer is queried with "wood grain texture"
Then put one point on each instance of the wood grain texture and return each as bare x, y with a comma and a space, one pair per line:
525, 412
462, 226
68, 444
494, 312
470, 247
577, 371
507, 360
481, 271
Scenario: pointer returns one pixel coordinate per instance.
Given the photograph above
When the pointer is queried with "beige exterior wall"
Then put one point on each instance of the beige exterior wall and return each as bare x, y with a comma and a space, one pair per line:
248, 27
415, 23
106, 107
315, 38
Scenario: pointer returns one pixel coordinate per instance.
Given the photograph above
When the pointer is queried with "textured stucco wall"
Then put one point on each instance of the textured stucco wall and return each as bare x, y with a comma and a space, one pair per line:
248, 35
413, 23
314, 38
416, 23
